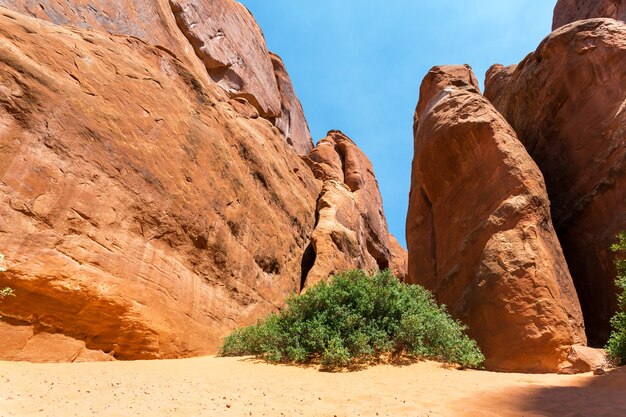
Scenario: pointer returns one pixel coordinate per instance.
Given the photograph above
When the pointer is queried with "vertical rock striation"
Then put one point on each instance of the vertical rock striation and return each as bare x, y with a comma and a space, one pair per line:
479, 231
145, 214
291, 122
567, 103
351, 229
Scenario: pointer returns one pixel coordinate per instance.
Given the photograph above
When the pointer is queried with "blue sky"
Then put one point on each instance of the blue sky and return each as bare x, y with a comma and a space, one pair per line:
357, 65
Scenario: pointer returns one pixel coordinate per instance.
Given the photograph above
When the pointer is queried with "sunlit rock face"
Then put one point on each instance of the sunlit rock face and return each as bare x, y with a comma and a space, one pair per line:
479, 230
566, 103
145, 212
291, 122
155, 182
351, 229
217, 40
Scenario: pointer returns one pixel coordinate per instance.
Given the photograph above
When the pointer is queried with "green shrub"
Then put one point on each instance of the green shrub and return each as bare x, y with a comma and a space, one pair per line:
355, 319
616, 346
4, 292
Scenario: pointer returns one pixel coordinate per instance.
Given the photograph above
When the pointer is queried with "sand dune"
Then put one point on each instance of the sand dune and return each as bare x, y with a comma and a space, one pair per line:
244, 387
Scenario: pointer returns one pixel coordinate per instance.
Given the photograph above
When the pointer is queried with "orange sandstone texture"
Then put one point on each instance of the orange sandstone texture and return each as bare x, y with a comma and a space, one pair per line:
292, 122
148, 210
218, 40
479, 230
149, 20
568, 11
566, 103
351, 229
144, 212
227, 39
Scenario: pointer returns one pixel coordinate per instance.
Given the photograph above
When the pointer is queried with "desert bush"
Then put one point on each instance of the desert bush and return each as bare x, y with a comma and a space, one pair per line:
4, 292
356, 319
616, 346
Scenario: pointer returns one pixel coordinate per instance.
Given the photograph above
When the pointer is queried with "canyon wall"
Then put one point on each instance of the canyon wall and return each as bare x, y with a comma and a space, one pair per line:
218, 41
144, 212
160, 186
152, 190
515, 201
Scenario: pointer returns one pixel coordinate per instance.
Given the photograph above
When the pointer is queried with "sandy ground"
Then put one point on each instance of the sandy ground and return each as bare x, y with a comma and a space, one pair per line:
244, 387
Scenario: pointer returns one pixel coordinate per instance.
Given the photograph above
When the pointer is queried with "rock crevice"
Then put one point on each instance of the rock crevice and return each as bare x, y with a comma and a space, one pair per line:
566, 103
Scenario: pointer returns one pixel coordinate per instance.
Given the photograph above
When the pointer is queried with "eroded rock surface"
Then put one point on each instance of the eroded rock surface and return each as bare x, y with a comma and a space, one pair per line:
145, 214
568, 11
586, 359
149, 20
231, 45
22, 341
218, 39
291, 121
479, 231
566, 101
351, 229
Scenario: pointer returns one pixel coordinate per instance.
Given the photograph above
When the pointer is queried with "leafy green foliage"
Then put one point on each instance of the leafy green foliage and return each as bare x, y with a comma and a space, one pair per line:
356, 319
4, 292
617, 342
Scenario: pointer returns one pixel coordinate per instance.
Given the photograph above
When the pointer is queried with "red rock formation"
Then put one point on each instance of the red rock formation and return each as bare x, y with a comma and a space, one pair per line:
351, 230
586, 359
23, 342
218, 39
568, 11
151, 21
566, 103
399, 262
479, 231
229, 42
144, 212
291, 122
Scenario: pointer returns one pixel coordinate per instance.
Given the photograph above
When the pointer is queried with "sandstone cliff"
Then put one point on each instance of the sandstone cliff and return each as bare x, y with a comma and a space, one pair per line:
292, 122
479, 231
150, 206
351, 230
119, 226
568, 11
217, 40
566, 103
